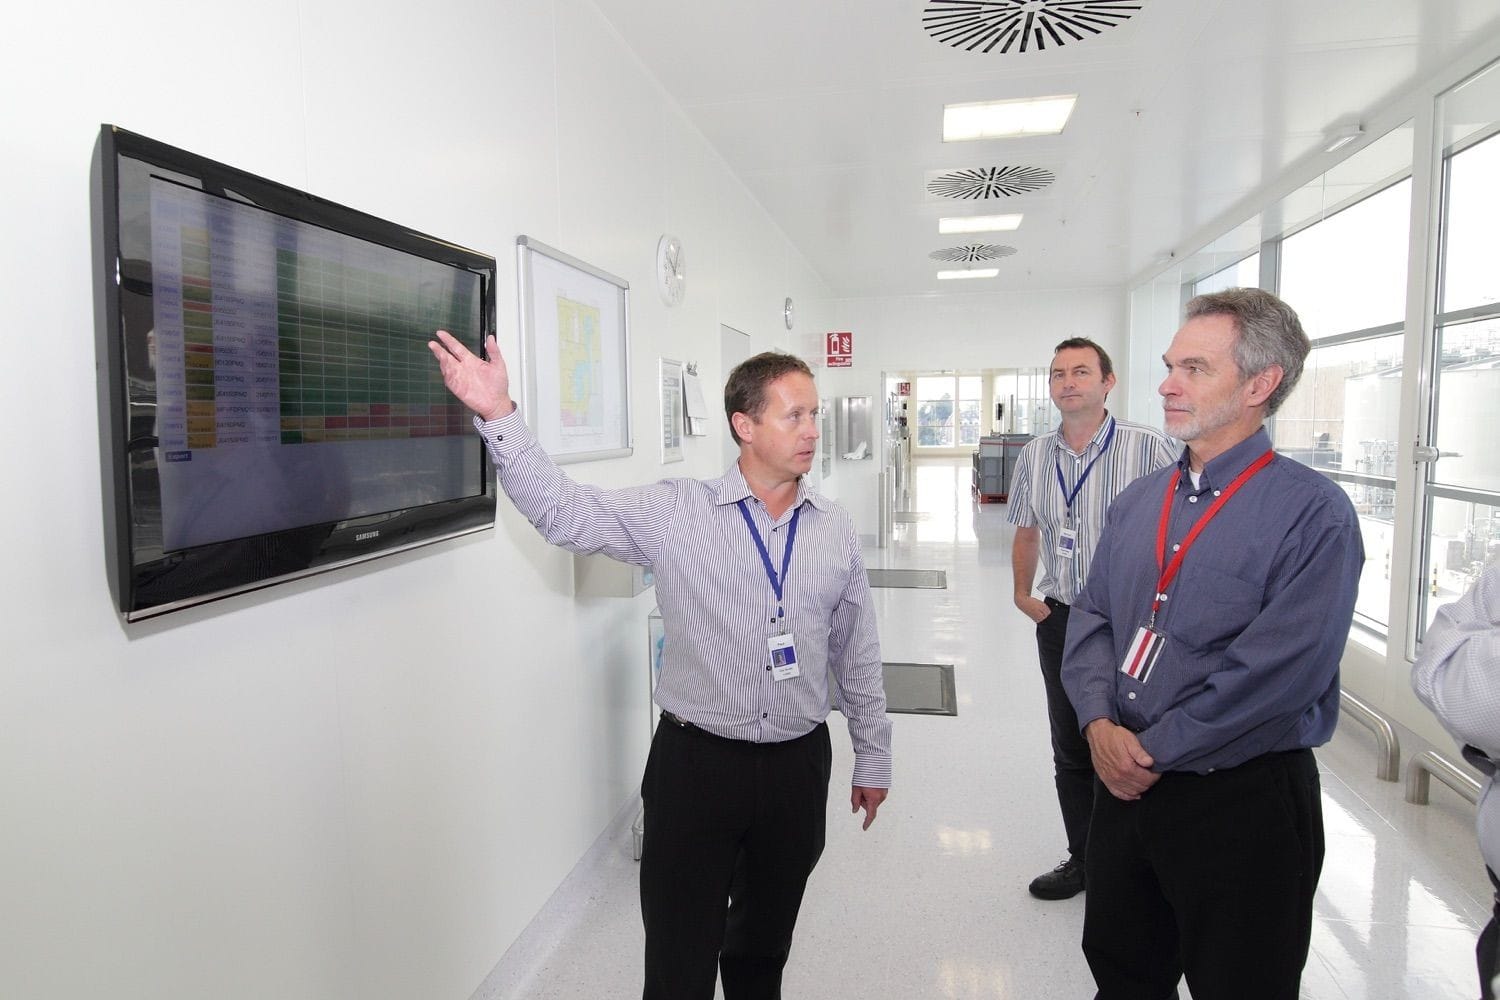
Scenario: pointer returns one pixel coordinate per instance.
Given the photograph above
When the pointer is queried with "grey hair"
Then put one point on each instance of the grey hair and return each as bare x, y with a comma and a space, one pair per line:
1267, 332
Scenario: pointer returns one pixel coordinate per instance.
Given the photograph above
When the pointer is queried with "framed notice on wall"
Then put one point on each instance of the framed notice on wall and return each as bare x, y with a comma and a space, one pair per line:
671, 411
575, 354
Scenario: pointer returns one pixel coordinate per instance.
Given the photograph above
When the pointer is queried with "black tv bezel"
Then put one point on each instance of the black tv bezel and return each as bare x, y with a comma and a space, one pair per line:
214, 571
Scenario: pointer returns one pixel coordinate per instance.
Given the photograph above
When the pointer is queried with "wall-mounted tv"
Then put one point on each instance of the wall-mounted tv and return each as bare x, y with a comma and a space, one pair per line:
268, 404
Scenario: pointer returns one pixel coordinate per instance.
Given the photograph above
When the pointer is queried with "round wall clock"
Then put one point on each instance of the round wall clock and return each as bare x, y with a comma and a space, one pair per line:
787, 312
671, 270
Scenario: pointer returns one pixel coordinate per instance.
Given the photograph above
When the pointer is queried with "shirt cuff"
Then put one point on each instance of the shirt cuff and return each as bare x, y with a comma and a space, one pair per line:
1088, 715
507, 435
872, 770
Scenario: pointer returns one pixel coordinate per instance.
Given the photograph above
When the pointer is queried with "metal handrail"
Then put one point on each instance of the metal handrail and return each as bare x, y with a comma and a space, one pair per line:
1389, 766
1430, 764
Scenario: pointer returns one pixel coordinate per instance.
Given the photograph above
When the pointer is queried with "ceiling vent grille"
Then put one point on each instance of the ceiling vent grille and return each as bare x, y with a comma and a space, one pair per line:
970, 252
1018, 25
990, 182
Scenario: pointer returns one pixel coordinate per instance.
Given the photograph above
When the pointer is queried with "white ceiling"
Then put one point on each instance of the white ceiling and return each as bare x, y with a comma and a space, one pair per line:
831, 113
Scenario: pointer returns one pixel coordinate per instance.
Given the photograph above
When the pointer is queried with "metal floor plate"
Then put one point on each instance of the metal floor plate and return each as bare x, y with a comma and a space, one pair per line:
920, 688
924, 579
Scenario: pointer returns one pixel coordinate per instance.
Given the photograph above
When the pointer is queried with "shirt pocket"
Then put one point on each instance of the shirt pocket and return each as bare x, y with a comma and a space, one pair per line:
1216, 607
821, 588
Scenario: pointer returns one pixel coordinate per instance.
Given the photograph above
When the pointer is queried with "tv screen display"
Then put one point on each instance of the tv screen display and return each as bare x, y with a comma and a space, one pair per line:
269, 407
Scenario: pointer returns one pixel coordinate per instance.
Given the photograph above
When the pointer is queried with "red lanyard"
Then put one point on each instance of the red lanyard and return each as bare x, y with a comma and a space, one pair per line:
1170, 571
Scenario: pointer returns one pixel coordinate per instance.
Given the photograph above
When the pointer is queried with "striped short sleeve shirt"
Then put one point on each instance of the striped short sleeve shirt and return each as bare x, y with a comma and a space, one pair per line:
1037, 499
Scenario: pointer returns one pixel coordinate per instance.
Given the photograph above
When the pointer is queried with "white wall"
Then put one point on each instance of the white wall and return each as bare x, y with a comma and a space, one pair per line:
363, 784
967, 332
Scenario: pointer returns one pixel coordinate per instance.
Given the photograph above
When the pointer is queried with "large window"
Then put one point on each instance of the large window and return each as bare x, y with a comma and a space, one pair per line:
1348, 271
1241, 274
949, 410
1345, 276
1461, 508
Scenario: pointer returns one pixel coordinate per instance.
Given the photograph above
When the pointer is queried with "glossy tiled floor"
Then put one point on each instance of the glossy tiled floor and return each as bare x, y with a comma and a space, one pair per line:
932, 902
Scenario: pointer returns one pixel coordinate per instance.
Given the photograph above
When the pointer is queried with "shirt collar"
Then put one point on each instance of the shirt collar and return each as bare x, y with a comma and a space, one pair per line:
1222, 469
1096, 442
732, 488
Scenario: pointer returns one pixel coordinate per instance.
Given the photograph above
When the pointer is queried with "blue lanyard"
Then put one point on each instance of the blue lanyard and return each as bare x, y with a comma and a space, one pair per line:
1062, 487
777, 582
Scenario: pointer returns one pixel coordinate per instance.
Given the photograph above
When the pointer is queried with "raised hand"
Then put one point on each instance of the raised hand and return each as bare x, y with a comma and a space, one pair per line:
483, 385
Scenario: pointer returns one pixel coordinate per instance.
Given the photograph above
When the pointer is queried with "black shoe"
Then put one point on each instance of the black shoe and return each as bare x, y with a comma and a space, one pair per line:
1063, 882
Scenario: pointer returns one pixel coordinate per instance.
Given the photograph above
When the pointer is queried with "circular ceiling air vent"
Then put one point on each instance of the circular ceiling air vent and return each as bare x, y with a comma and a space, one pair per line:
990, 182
970, 252
1018, 25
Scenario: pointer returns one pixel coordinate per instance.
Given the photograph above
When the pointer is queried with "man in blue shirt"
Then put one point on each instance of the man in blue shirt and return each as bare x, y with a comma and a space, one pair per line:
1202, 660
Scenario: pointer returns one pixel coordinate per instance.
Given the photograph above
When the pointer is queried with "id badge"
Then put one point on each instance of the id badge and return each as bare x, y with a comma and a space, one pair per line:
1067, 543
783, 657
1144, 649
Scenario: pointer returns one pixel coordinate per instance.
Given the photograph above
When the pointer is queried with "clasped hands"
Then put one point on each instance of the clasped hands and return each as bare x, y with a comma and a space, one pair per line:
1119, 759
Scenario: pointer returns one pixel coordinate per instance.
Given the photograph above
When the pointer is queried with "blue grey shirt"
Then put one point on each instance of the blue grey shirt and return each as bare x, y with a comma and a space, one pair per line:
1255, 621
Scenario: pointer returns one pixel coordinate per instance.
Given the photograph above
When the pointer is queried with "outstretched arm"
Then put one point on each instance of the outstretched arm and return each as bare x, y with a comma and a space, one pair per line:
483, 385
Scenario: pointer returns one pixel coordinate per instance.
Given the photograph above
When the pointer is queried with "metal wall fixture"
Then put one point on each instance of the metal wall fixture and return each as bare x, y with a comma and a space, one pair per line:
1429, 764
1390, 748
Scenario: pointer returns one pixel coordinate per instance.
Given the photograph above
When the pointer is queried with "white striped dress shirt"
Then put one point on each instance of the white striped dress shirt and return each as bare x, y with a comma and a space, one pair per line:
1036, 501
1457, 675
716, 601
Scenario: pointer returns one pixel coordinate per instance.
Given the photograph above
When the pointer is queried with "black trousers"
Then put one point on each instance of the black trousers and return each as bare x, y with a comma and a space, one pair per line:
1488, 950
1209, 876
1072, 765
733, 830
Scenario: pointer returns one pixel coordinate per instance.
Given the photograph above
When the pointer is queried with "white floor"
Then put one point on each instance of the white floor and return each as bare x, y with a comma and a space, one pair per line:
932, 901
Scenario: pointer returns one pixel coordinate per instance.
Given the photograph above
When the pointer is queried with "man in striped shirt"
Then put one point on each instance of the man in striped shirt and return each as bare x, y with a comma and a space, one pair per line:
768, 617
1062, 486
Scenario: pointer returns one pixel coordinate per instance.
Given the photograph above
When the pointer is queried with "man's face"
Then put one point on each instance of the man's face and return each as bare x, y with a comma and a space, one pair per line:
1076, 383
1203, 391
785, 438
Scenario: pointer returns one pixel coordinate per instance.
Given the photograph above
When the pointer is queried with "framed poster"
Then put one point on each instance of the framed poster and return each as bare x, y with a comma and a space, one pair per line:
575, 354
671, 411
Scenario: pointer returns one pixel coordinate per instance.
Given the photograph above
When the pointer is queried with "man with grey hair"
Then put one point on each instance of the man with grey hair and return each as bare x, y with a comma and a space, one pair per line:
1202, 660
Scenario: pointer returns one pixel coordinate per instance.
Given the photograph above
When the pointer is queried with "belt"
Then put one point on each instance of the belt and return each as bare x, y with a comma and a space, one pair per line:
1053, 602
688, 727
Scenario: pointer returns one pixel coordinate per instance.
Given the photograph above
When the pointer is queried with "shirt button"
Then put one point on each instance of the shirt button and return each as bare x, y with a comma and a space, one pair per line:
765, 715
1192, 499
1131, 696
1176, 546
499, 437
1216, 493
1211, 770
768, 666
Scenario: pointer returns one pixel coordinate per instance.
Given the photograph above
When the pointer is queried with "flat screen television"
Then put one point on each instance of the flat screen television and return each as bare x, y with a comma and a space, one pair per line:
268, 404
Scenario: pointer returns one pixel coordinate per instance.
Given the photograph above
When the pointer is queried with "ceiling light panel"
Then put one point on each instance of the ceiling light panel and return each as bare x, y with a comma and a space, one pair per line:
976, 272
979, 224
1006, 119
